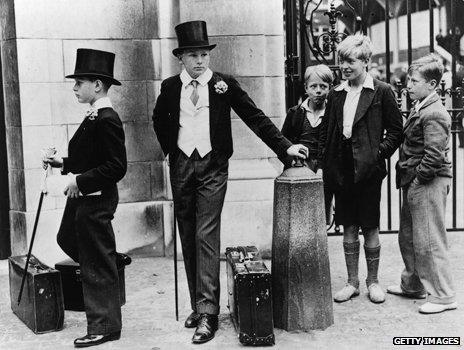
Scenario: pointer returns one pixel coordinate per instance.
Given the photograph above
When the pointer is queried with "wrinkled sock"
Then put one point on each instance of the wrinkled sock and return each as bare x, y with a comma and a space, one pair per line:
351, 250
372, 260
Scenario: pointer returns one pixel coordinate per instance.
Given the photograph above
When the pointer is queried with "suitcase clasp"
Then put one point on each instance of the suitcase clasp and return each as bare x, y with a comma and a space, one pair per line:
265, 294
39, 268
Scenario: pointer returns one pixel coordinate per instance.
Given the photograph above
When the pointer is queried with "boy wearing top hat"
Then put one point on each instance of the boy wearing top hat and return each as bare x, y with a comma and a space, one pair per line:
192, 122
96, 162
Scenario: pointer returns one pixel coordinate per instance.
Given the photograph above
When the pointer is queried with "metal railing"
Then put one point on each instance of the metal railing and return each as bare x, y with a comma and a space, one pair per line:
302, 41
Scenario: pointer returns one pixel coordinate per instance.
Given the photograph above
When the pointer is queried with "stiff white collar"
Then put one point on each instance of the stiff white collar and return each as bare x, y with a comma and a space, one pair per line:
203, 79
102, 102
368, 83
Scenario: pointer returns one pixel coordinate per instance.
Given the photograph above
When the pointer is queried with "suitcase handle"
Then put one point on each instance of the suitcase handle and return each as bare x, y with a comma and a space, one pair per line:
39, 267
245, 258
35, 264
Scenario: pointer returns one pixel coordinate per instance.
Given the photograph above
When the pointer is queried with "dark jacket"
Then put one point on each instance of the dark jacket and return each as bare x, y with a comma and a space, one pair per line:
292, 130
167, 109
97, 152
424, 152
376, 133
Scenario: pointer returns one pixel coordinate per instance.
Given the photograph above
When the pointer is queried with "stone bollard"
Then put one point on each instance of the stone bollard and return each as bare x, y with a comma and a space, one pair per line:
302, 294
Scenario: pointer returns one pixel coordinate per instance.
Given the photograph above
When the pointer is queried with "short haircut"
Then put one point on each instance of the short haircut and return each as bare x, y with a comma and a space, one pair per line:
321, 71
180, 54
106, 82
358, 46
430, 67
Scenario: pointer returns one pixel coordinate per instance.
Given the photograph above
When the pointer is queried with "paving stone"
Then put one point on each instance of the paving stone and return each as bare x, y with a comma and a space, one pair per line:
149, 322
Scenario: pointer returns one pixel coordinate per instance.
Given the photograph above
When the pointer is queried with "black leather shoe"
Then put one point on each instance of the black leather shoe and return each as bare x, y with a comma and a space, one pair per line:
192, 320
91, 340
207, 326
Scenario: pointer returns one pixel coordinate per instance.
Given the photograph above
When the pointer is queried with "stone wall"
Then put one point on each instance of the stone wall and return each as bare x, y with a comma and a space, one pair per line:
250, 45
39, 42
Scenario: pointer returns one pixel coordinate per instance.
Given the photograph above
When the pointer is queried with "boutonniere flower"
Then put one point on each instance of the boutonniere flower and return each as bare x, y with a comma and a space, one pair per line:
220, 87
91, 113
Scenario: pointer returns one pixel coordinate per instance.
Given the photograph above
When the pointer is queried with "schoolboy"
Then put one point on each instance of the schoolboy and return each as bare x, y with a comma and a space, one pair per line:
96, 162
361, 128
424, 176
303, 121
192, 122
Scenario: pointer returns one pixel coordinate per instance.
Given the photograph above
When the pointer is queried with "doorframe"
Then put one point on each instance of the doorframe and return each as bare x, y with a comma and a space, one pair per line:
5, 241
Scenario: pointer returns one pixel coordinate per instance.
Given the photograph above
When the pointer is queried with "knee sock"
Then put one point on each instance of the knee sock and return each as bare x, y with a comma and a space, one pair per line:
372, 260
351, 250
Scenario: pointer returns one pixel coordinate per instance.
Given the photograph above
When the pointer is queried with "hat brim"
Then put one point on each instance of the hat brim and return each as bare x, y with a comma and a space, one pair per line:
94, 75
181, 49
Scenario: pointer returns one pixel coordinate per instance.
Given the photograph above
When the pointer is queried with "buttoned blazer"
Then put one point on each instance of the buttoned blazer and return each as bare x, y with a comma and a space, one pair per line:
167, 110
376, 133
97, 152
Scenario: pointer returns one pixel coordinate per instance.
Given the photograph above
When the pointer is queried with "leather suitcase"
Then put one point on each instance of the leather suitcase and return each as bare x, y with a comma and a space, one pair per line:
41, 307
72, 284
250, 296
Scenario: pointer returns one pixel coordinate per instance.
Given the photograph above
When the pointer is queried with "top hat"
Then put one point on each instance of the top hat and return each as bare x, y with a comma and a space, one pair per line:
94, 63
192, 35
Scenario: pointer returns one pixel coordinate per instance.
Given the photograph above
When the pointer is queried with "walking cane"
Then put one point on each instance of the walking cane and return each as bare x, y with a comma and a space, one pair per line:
175, 268
42, 193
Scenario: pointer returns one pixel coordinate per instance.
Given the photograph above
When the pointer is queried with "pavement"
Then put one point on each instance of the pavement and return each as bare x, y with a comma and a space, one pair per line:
149, 322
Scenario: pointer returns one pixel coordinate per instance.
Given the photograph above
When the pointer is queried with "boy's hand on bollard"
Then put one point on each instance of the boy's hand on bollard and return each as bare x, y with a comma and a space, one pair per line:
298, 150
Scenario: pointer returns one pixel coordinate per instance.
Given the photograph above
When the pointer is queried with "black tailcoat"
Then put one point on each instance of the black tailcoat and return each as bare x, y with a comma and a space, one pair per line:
199, 184
167, 110
96, 152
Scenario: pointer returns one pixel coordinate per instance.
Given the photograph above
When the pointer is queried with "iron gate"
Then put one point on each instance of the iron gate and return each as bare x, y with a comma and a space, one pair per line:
307, 44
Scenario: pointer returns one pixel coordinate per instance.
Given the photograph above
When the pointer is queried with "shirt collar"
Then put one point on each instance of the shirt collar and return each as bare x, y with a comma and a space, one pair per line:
307, 109
102, 102
421, 104
368, 84
203, 79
